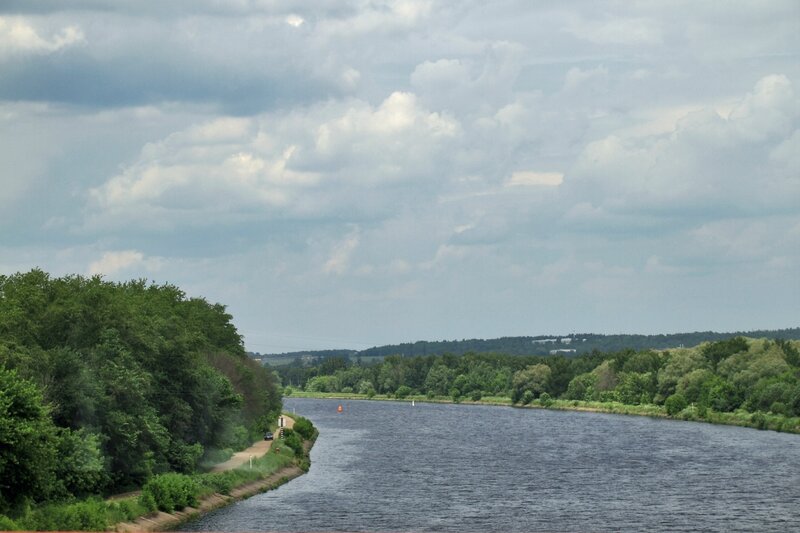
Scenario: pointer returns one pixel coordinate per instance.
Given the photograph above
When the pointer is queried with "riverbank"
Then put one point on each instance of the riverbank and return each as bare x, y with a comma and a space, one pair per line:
161, 521
244, 460
757, 420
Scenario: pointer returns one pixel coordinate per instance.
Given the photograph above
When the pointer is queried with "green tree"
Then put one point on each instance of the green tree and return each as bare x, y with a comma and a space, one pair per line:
27, 443
534, 378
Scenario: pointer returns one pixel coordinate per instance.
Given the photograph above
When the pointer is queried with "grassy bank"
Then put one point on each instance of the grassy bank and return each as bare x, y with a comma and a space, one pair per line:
742, 418
164, 497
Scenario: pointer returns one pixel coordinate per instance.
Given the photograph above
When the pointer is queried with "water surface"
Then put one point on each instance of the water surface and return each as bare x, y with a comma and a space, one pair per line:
383, 466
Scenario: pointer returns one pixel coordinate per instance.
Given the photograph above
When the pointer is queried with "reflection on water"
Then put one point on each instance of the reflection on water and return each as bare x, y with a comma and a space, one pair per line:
383, 466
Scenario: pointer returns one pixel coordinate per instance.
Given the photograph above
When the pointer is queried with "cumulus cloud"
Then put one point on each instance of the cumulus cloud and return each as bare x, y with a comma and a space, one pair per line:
126, 260
277, 165
19, 36
708, 162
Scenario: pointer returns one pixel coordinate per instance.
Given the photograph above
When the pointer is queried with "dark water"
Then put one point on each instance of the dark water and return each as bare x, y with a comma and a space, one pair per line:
384, 466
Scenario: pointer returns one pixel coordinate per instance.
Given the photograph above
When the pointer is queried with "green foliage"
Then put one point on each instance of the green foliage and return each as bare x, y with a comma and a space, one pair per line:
582, 387
87, 515
675, 404
172, 491
717, 377
138, 378
545, 400
717, 351
303, 427
403, 391
28, 441
6, 524
80, 467
527, 397
293, 441
148, 502
533, 379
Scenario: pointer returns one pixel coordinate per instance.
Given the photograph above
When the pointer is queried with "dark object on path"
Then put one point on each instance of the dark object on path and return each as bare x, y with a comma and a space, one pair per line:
268, 435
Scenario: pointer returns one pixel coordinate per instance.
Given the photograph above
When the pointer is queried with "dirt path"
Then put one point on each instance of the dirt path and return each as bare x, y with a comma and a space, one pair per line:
161, 521
255, 451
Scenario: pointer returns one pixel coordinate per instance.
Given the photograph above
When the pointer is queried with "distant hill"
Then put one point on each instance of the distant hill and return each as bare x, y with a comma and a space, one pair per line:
575, 343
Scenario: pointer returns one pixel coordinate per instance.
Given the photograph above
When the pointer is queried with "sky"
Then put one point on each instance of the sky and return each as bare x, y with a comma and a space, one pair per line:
351, 173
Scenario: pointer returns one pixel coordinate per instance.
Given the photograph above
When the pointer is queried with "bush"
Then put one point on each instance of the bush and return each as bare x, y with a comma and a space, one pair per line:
402, 392
779, 408
172, 491
546, 400
476, 395
527, 397
287, 391
293, 441
455, 394
303, 427
6, 524
147, 501
759, 420
87, 515
675, 404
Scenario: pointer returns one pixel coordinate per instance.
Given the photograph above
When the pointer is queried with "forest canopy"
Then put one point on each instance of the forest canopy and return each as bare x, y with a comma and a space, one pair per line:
103, 385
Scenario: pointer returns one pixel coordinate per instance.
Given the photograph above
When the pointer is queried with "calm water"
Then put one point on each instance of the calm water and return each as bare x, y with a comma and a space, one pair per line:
384, 466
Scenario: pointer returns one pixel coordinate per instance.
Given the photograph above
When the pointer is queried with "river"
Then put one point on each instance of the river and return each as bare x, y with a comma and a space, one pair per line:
384, 466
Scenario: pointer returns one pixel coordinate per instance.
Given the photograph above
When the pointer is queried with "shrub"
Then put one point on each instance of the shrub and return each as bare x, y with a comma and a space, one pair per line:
545, 399
527, 397
402, 392
287, 391
147, 501
455, 394
172, 491
6, 524
675, 404
303, 427
87, 515
759, 420
293, 441
779, 408
476, 395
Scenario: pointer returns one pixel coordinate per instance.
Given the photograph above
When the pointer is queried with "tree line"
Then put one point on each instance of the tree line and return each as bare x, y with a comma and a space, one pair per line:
725, 376
104, 385
581, 343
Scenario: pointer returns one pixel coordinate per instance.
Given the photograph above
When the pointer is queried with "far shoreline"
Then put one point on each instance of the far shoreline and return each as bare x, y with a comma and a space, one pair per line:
758, 420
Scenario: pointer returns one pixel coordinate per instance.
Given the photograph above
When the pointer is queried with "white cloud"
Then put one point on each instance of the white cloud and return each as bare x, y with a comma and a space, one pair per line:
126, 260
296, 164
18, 36
531, 178
294, 20
708, 162
339, 259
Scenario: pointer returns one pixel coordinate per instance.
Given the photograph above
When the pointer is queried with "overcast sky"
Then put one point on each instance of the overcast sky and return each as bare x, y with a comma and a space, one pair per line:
348, 173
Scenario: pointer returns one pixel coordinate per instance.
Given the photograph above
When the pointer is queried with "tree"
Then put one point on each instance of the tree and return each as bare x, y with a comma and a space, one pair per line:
582, 387
534, 378
27, 443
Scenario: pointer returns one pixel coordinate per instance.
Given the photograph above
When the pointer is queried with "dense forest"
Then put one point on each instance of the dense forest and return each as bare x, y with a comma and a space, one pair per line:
104, 385
735, 375
577, 343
